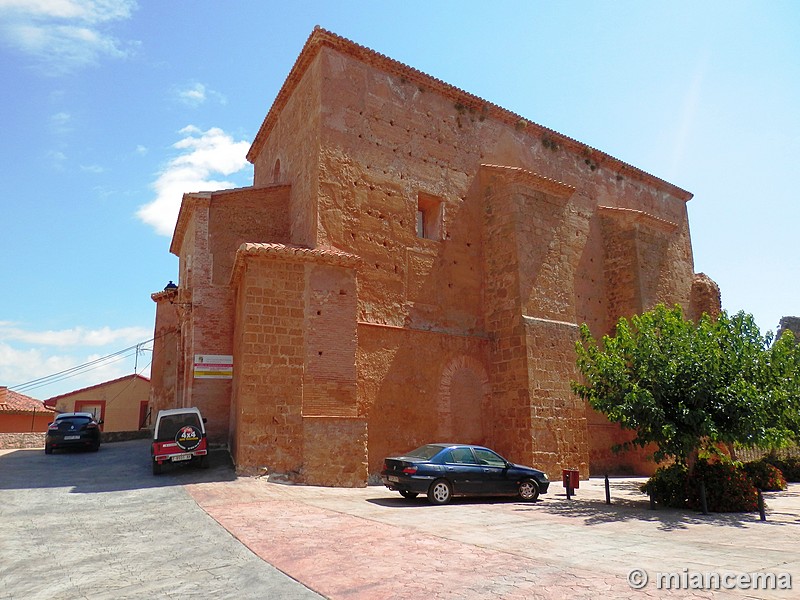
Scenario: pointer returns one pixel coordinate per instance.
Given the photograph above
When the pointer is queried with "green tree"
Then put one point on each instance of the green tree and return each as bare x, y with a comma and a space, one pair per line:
688, 386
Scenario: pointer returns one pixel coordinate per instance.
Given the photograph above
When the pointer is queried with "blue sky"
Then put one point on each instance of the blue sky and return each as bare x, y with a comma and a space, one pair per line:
111, 109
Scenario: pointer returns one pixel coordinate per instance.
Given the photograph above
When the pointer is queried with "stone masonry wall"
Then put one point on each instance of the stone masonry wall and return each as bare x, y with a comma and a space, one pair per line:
558, 417
164, 369
410, 381
329, 377
483, 310
335, 451
291, 157
789, 324
510, 411
268, 362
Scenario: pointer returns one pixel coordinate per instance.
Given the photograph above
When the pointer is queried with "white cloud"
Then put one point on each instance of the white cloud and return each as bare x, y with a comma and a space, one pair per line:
91, 11
65, 34
92, 169
141, 150
69, 359
205, 153
194, 95
60, 373
58, 159
61, 121
197, 94
77, 336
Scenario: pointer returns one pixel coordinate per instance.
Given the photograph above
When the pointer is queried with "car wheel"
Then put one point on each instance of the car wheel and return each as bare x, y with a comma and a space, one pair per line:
440, 492
96, 447
528, 490
407, 494
156, 468
204, 464
48, 449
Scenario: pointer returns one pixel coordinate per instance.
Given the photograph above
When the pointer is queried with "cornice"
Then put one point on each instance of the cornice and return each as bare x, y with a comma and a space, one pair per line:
538, 182
637, 217
163, 295
288, 252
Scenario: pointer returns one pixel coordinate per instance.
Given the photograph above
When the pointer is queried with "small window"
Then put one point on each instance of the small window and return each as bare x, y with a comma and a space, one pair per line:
276, 171
429, 217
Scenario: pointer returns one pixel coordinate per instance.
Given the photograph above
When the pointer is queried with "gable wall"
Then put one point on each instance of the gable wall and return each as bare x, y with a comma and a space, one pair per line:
384, 140
294, 141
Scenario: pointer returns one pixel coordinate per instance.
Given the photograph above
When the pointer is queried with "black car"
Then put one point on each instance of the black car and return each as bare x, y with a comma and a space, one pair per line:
445, 470
73, 430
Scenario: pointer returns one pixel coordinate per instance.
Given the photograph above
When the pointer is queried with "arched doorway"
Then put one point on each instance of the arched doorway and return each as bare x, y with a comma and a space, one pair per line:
463, 394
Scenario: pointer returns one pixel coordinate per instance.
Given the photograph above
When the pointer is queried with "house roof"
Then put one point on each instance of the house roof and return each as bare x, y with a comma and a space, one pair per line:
321, 38
14, 402
54, 400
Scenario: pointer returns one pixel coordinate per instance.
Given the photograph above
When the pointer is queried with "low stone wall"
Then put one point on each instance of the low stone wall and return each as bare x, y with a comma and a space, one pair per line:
751, 454
124, 436
16, 441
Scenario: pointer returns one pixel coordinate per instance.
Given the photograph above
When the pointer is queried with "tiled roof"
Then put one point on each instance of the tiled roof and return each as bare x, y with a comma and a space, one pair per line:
14, 402
320, 38
164, 295
330, 256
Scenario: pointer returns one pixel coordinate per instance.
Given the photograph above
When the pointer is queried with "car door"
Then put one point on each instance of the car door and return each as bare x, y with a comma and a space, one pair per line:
494, 477
463, 471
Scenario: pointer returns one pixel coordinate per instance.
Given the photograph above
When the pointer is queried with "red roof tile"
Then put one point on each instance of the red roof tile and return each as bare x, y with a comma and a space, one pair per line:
14, 402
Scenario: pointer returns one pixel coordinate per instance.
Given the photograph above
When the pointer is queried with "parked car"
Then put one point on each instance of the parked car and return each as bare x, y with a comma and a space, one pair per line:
73, 430
445, 470
179, 436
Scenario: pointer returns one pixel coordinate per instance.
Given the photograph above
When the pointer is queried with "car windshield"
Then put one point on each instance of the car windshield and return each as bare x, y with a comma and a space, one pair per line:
72, 422
427, 452
168, 426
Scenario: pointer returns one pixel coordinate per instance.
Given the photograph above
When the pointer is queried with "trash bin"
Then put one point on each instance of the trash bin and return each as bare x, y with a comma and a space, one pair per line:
571, 478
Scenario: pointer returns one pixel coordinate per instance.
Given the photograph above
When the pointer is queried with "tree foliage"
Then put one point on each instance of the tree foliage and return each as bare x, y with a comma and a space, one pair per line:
686, 386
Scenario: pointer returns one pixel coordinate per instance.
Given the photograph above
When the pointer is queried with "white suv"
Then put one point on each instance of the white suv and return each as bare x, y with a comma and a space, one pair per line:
179, 437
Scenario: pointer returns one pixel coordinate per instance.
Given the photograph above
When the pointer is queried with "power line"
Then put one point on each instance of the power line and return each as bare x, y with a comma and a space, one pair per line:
83, 368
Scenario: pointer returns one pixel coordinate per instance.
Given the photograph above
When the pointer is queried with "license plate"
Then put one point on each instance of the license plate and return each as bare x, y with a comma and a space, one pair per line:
72, 437
393, 479
179, 457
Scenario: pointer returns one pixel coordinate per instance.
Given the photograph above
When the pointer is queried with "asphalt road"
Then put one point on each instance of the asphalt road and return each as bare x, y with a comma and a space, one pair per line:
101, 525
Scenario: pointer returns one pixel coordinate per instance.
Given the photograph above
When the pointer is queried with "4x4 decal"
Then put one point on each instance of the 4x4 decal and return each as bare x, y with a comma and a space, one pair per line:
188, 438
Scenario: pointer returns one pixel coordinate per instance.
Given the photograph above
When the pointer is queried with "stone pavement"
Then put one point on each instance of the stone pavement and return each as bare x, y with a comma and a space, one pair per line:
370, 543
97, 525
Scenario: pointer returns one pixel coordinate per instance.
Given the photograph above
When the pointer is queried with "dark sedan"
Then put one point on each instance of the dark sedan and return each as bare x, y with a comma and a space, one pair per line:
73, 430
445, 470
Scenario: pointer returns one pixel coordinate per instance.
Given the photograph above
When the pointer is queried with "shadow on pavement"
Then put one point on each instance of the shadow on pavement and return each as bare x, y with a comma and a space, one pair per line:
628, 503
115, 467
422, 501
596, 512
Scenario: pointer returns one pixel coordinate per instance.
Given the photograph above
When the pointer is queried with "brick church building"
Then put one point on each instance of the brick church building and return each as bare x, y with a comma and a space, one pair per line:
410, 265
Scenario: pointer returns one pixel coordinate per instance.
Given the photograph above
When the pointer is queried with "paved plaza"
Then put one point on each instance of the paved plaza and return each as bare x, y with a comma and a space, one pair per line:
114, 530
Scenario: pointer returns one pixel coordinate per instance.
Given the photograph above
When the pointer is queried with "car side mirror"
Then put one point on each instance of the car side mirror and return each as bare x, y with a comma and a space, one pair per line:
100, 422
205, 420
